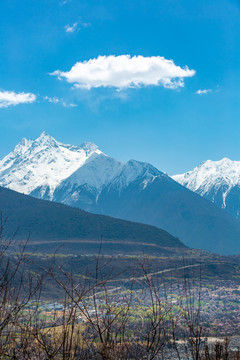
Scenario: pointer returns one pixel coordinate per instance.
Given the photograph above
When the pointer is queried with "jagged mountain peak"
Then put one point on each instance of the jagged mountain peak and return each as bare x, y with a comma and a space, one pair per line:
39, 167
45, 135
42, 163
144, 166
20, 148
45, 140
134, 169
24, 141
89, 146
224, 162
100, 174
211, 173
218, 181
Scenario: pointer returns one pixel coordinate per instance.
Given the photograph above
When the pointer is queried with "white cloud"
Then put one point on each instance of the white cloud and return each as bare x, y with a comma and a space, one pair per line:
68, 105
125, 71
8, 98
56, 100
76, 26
71, 28
203, 92
53, 100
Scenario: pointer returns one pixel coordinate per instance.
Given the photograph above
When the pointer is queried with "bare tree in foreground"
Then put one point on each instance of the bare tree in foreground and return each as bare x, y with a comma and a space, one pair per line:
100, 318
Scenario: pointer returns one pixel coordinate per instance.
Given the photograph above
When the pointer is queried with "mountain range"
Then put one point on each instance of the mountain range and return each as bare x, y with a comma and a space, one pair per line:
86, 178
217, 181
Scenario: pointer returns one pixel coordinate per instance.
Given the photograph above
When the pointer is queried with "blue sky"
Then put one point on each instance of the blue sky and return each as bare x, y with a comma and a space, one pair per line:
173, 128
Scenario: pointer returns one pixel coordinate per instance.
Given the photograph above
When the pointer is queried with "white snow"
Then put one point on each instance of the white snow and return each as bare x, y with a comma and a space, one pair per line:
97, 171
42, 162
46, 165
101, 171
210, 175
131, 171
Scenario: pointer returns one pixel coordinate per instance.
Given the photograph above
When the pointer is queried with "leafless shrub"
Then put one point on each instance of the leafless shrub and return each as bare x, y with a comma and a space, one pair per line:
99, 318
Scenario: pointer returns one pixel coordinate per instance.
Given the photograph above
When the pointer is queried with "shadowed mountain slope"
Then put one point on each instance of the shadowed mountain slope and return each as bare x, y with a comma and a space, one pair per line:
52, 224
170, 206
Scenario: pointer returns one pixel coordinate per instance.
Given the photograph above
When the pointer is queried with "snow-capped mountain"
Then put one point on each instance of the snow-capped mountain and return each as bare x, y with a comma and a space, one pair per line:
99, 174
42, 164
218, 181
46, 168
84, 177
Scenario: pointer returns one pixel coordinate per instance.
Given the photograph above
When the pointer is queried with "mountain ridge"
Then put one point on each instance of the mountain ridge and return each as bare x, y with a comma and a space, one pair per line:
217, 181
42, 162
133, 190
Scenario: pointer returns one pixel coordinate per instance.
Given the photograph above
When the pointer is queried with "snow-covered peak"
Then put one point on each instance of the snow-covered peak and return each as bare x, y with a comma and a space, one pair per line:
24, 142
48, 169
211, 173
45, 138
44, 135
101, 173
98, 171
133, 170
211, 176
43, 162
21, 147
89, 147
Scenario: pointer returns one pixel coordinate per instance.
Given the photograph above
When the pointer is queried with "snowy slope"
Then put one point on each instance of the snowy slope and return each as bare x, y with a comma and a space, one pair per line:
102, 173
133, 170
218, 181
48, 169
42, 163
83, 187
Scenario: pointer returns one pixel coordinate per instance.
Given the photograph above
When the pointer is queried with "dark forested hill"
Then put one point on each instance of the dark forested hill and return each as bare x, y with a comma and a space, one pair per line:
51, 224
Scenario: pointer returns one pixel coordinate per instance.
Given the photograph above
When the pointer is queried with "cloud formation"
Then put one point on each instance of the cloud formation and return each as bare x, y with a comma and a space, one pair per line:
71, 28
53, 100
125, 71
76, 26
56, 100
203, 92
8, 98
68, 105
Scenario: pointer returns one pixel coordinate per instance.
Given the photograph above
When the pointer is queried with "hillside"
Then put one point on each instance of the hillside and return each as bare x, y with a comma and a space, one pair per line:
51, 225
